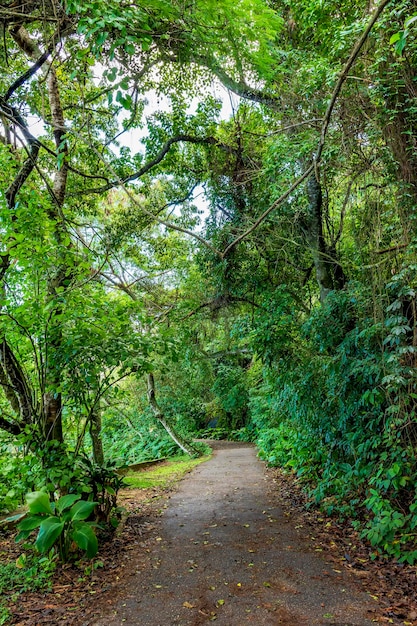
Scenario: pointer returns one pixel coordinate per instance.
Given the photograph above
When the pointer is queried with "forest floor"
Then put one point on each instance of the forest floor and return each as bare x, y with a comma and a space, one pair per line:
231, 543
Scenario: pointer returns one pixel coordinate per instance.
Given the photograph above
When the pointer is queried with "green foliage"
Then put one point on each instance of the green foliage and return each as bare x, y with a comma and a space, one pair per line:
230, 388
28, 573
60, 524
214, 433
105, 483
318, 406
399, 40
140, 438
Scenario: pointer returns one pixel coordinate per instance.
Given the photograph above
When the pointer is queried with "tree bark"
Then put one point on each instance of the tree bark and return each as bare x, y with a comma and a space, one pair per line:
15, 384
159, 415
95, 434
52, 399
329, 273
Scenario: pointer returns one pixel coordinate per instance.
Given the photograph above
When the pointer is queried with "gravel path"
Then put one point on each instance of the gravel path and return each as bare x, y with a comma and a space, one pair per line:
227, 553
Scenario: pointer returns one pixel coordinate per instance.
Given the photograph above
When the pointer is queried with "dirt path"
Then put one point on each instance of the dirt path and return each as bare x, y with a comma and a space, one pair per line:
226, 553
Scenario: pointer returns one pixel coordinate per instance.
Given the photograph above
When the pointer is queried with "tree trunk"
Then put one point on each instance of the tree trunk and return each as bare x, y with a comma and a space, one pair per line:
329, 273
52, 399
95, 434
158, 414
52, 406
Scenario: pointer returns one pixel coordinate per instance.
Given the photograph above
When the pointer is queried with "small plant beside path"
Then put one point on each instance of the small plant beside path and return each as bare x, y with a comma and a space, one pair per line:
36, 588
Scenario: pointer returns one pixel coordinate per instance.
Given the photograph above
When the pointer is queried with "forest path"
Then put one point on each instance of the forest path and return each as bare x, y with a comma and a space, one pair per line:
227, 553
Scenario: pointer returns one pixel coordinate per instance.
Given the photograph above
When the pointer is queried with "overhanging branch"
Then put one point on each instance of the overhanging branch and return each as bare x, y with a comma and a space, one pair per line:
157, 159
325, 126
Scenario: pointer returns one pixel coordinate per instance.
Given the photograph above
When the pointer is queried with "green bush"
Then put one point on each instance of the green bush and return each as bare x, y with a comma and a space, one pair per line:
61, 524
341, 413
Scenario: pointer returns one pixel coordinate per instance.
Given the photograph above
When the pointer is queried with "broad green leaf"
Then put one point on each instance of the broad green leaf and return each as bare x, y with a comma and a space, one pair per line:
23, 534
66, 501
82, 510
85, 538
21, 561
49, 532
13, 518
38, 502
395, 37
30, 523
410, 20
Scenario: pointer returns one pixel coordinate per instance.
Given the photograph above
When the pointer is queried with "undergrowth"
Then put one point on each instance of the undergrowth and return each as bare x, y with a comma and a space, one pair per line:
340, 412
28, 573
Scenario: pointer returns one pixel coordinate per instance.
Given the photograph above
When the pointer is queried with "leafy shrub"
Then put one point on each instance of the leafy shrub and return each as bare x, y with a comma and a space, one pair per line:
60, 524
341, 413
213, 433
104, 483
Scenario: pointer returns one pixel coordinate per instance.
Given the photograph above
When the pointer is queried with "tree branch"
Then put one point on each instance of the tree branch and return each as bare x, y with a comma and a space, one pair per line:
219, 302
344, 75
240, 88
269, 210
399, 246
29, 73
131, 196
326, 121
10, 427
14, 383
157, 159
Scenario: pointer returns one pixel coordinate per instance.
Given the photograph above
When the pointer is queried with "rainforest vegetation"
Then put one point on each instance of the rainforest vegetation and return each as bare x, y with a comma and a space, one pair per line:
208, 229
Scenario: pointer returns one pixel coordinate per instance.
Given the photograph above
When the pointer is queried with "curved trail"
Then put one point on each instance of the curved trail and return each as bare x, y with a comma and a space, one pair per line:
227, 554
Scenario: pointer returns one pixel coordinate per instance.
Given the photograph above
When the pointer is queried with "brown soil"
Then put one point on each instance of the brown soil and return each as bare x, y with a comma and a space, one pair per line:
231, 545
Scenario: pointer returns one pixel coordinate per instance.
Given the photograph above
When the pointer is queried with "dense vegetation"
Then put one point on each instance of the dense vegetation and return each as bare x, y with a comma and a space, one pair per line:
208, 229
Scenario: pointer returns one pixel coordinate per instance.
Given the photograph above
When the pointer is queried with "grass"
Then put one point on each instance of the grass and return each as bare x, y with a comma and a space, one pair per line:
161, 476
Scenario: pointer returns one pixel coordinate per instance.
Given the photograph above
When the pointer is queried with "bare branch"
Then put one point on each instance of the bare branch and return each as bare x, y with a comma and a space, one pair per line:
345, 74
314, 120
239, 87
29, 73
399, 246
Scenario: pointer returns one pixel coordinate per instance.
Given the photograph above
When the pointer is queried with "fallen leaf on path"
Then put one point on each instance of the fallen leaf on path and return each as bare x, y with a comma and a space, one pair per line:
188, 605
